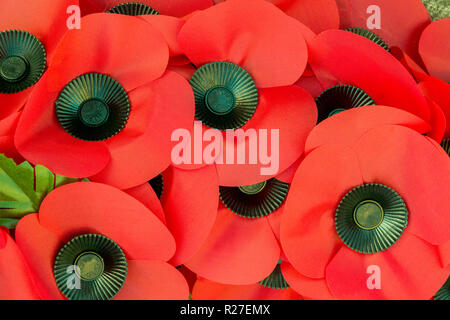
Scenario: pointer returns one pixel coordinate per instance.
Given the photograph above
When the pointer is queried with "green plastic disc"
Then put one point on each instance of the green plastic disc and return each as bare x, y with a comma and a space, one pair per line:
157, 183
90, 267
371, 218
133, 9
371, 36
340, 98
22, 60
226, 96
93, 107
255, 201
275, 280
446, 145
444, 292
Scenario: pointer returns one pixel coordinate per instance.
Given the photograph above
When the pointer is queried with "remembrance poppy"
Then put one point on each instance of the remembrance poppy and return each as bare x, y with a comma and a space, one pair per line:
104, 239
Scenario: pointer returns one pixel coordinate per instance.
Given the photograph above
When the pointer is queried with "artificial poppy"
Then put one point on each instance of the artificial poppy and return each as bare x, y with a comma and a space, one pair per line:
241, 84
27, 44
101, 109
81, 234
243, 245
15, 280
175, 8
7, 130
371, 193
189, 200
274, 287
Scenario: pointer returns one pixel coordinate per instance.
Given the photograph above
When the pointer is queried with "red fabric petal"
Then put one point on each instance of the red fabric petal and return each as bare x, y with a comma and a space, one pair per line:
416, 70
145, 194
177, 8
308, 233
292, 113
39, 247
308, 287
340, 57
410, 269
438, 122
15, 280
190, 200
444, 250
402, 21
238, 250
153, 280
128, 49
347, 127
7, 130
310, 84
288, 174
253, 34
13, 102
435, 49
319, 15
415, 167
152, 150
439, 92
88, 207
209, 290
41, 140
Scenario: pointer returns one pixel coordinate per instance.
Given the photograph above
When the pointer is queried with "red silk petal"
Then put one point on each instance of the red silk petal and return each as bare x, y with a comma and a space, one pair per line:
308, 233
340, 57
128, 49
435, 50
348, 127
444, 250
400, 27
151, 151
209, 290
416, 70
15, 280
177, 8
190, 200
288, 174
238, 250
410, 270
292, 113
41, 140
438, 91
415, 167
319, 15
11, 103
7, 130
253, 34
145, 194
88, 207
438, 122
312, 288
153, 280
39, 247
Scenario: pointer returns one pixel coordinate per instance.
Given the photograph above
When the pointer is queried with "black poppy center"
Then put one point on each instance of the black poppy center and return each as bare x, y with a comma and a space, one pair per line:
94, 113
13, 69
219, 100
90, 266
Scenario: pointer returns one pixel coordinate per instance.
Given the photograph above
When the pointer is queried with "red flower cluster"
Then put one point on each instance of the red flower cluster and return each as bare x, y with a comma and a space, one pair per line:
238, 149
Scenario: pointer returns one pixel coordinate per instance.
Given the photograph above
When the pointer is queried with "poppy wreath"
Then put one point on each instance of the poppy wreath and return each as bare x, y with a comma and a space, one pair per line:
224, 150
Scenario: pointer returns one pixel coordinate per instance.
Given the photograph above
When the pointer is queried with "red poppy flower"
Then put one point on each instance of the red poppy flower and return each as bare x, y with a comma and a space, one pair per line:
15, 281
435, 49
176, 8
43, 34
400, 22
273, 287
110, 239
7, 130
230, 48
189, 200
118, 133
243, 245
370, 194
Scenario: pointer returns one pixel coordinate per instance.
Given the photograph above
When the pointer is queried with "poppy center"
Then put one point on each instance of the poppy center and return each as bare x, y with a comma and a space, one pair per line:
220, 100
94, 113
368, 214
90, 266
253, 188
335, 111
13, 68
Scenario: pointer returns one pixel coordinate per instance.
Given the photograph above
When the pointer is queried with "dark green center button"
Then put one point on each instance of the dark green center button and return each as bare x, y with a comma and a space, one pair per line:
13, 69
336, 111
368, 215
90, 266
94, 113
220, 100
253, 188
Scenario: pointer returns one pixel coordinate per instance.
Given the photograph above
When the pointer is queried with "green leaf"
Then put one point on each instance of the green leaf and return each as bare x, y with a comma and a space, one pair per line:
23, 187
